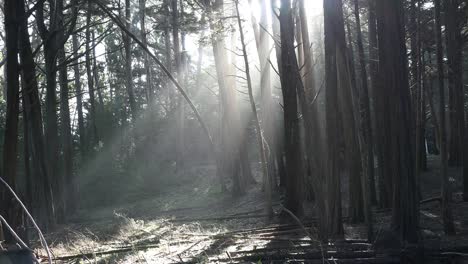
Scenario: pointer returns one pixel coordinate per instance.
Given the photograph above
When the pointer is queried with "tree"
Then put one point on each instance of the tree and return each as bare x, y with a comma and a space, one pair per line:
454, 44
79, 97
367, 145
8, 209
128, 64
262, 149
91, 89
41, 189
446, 214
289, 85
395, 89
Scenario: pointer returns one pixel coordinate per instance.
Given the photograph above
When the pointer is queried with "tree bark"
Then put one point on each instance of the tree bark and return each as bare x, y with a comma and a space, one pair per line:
69, 195
367, 143
454, 19
289, 84
446, 213
128, 64
8, 208
384, 179
262, 150
146, 62
92, 101
41, 202
79, 99
400, 147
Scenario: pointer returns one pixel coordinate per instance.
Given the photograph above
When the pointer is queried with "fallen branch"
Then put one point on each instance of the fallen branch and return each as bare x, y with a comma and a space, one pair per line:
108, 252
219, 218
432, 199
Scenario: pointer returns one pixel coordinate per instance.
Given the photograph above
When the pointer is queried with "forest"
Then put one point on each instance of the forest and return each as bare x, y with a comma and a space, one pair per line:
234, 131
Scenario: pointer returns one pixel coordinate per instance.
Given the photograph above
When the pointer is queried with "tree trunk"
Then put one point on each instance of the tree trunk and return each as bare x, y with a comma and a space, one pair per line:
41, 203
446, 213
400, 147
334, 40
79, 99
263, 50
67, 144
8, 206
146, 63
289, 85
348, 100
367, 143
178, 55
128, 64
262, 150
384, 179
92, 101
454, 19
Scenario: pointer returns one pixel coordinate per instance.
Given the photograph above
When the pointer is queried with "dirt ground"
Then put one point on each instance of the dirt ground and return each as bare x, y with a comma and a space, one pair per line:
196, 223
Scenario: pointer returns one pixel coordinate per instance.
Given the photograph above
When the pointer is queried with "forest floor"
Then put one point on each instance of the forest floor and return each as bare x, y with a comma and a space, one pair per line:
196, 223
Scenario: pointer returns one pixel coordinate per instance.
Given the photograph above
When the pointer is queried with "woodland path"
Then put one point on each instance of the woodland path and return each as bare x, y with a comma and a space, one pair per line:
195, 223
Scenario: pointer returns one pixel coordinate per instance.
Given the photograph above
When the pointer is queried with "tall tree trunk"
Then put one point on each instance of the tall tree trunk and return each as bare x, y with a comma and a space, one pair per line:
41, 203
454, 19
180, 145
92, 101
79, 98
309, 106
51, 47
367, 143
97, 86
334, 26
384, 179
146, 63
263, 50
231, 135
395, 88
446, 214
262, 150
128, 64
348, 101
8, 208
67, 144
289, 85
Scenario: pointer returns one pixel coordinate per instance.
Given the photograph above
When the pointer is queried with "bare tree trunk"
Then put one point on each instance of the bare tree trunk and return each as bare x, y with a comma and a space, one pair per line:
263, 51
128, 64
289, 85
79, 99
178, 55
367, 143
446, 213
51, 48
262, 150
395, 88
8, 207
384, 179
454, 19
334, 40
67, 148
348, 99
92, 102
149, 85
41, 202
97, 86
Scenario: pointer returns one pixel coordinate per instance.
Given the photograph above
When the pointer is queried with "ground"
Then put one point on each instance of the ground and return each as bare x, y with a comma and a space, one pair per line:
196, 223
